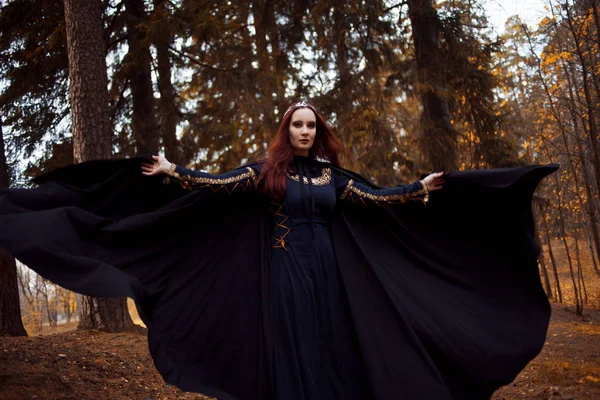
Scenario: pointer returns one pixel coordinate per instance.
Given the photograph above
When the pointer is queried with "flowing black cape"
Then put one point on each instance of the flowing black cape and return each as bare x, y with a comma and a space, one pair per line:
446, 298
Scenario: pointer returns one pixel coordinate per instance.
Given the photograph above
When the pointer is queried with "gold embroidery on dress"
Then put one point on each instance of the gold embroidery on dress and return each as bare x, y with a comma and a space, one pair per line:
190, 182
324, 179
279, 241
356, 195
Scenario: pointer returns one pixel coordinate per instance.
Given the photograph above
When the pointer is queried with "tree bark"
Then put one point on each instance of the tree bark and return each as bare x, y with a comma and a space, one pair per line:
439, 138
542, 264
553, 261
87, 81
580, 277
92, 135
144, 123
169, 114
10, 308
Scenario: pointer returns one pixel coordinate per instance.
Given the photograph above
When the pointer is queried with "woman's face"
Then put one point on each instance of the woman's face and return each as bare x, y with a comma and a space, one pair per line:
303, 128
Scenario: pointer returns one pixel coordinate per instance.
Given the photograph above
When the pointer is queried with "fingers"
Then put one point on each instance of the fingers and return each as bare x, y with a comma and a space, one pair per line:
148, 169
436, 181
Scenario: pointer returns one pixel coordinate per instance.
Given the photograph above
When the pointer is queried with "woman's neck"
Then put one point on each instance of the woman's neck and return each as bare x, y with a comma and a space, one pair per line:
301, 153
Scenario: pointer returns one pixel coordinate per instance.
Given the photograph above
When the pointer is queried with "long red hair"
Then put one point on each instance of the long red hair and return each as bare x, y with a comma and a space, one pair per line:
280, 153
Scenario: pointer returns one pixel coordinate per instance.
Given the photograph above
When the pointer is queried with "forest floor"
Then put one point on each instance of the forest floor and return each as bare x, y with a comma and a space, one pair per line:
95, 365
568, 366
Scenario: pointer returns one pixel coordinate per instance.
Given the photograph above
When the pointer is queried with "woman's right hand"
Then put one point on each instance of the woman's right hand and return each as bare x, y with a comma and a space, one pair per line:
159, 165
434, 181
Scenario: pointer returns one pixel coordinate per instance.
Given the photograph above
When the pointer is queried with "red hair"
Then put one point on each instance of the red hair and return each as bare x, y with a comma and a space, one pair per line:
280, 153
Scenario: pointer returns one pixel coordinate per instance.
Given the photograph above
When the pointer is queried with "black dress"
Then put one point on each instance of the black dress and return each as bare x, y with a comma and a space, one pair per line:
316, 352
342, 291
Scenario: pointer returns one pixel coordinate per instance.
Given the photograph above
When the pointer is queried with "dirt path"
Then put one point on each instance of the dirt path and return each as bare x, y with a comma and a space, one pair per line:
92, 365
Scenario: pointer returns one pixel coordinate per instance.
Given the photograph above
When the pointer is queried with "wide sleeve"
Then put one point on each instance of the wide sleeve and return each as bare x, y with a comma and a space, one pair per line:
349, 189
237, 180
446, 299
195, 263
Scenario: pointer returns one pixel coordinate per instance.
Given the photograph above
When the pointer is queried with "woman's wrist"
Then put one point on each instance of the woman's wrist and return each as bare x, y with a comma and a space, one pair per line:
425, 190
171, 168
425, 187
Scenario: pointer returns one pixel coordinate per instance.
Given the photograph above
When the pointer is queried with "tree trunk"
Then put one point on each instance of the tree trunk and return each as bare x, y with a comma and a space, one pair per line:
580, 277
574, 171
261, 10
169, 114
552, 260
92, 135
543, 268
88, 81
278, 60
563, 232
587, 180
546, 277
593, 132
89, 317
592, 53
438, 136
10, 309
138, 56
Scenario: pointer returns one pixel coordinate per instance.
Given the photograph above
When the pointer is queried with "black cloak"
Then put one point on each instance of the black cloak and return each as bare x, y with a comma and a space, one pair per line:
446, 297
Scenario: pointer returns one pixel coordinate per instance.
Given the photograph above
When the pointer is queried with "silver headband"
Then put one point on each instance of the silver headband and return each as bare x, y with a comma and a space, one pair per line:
296, 105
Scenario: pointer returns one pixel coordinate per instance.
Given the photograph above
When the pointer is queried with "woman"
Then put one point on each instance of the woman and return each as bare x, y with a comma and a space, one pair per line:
315, 351
318, 285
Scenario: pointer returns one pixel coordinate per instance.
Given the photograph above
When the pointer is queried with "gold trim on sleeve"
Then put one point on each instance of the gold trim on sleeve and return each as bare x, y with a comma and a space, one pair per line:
190, 182
252, 173
324, 179
356, 195
169, 174
425, 190
347, 189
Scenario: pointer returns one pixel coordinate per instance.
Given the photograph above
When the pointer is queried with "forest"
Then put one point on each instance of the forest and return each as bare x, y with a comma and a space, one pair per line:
409, 87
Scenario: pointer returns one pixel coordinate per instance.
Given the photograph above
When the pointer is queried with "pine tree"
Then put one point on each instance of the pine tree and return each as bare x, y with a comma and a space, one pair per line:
92, 136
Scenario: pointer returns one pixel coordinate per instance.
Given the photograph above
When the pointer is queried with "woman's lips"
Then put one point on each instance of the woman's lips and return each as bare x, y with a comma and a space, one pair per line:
304, 141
